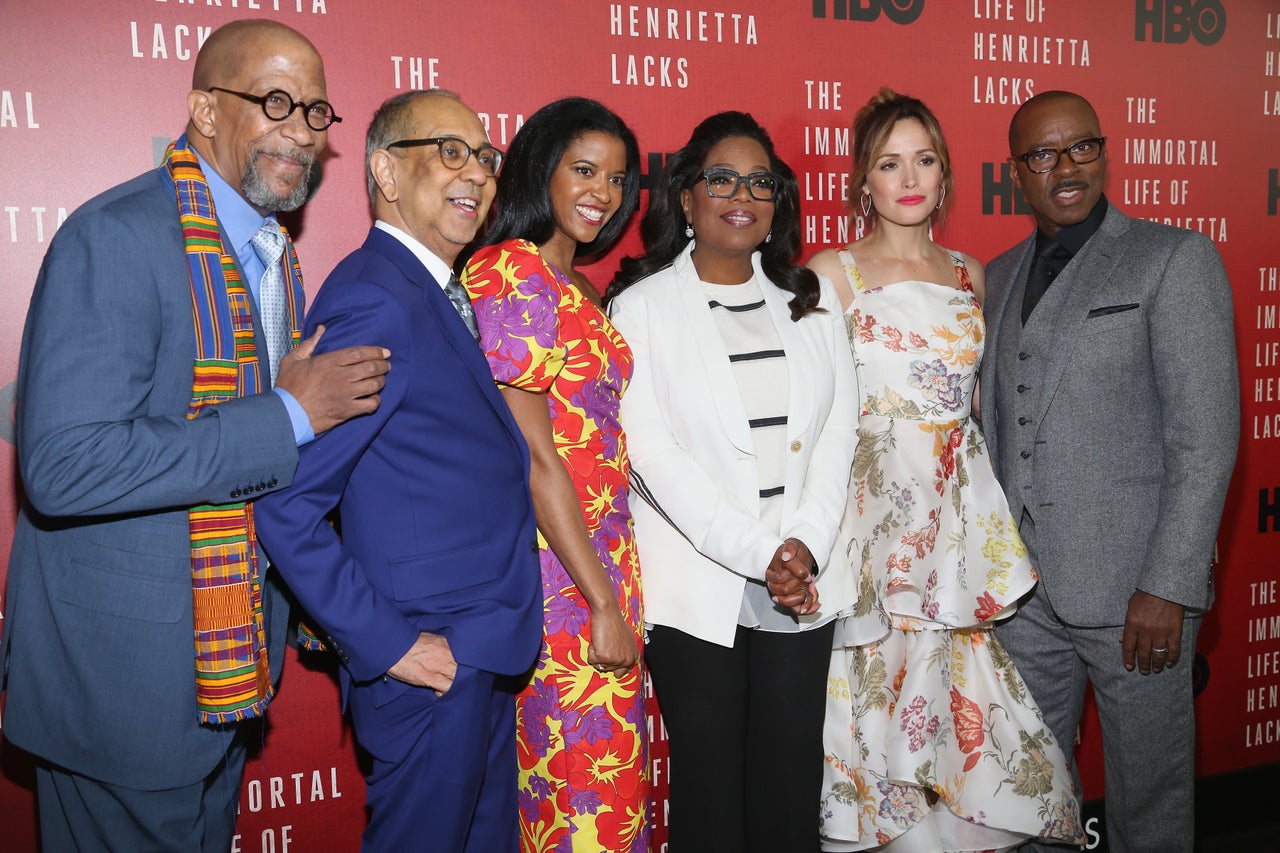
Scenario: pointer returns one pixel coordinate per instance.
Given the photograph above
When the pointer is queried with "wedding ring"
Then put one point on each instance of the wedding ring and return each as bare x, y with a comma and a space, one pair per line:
1155, 651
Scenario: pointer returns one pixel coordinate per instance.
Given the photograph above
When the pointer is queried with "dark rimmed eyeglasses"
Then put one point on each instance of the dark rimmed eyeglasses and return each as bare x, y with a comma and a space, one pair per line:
455, 152
724, 183
1041, 160
278, 105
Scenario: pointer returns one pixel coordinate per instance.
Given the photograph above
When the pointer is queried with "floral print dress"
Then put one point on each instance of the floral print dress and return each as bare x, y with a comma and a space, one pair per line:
581, 738
922, 699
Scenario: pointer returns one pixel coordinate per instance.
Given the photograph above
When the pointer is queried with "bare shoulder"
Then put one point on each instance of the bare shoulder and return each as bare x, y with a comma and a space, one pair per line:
827, 263
977, 275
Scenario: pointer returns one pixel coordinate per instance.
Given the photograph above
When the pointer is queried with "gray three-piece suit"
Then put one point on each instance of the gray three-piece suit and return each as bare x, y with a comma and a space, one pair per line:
1112, 417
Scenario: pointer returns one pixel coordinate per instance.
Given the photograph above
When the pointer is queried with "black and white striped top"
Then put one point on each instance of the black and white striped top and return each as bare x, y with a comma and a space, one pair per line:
760, 370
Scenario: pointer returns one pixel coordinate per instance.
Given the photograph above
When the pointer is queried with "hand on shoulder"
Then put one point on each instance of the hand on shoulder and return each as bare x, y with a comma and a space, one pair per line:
334, 386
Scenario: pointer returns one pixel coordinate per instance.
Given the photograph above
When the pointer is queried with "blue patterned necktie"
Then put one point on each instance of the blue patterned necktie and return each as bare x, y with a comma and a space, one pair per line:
458, 296
268, 243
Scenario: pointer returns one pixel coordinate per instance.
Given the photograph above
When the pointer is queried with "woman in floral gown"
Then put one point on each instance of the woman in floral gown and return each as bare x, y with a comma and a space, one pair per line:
570, 181
933, 742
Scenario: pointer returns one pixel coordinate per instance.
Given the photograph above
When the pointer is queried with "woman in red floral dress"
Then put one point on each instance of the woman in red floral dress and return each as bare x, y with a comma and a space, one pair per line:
569, 184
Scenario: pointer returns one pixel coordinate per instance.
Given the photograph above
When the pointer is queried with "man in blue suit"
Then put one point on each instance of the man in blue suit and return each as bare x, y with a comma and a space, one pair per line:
117, 442
431, 597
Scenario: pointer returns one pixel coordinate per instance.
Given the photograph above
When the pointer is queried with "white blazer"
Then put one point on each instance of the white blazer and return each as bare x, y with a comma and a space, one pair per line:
693, 461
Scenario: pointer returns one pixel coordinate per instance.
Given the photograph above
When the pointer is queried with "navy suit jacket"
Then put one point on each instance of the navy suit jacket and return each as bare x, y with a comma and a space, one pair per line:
98, 626
437, 524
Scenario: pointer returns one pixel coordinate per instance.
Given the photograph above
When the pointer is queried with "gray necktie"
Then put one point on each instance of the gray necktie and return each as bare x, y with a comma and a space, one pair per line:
458, 296
268, 243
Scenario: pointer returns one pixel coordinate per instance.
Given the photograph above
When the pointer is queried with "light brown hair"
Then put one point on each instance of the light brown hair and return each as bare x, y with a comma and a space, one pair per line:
872, 127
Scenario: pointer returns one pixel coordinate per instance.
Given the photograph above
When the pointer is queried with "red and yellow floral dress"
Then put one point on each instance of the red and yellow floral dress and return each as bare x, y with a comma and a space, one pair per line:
581, 737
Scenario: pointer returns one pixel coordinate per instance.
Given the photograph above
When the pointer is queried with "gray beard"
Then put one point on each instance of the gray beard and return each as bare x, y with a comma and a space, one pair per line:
254, 187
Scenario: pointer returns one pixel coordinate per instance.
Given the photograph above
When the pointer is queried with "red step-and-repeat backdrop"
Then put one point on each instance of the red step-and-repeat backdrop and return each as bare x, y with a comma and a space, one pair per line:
1188, 92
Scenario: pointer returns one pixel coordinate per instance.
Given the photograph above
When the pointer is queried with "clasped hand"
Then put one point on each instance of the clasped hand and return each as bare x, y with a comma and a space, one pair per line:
791, 578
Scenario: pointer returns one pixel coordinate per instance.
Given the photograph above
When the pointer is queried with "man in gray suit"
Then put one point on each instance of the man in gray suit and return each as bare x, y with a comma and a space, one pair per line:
1111, 405
116, 443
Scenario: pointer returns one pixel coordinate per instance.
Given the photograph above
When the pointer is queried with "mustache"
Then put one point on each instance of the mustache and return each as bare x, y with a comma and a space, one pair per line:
302, 157
1067, 186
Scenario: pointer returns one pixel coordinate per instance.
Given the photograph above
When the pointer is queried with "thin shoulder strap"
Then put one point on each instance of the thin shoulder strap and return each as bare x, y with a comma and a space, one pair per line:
962, 271
851, 271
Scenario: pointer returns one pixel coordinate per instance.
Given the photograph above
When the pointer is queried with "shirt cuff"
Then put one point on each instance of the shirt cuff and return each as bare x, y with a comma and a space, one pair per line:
302, 431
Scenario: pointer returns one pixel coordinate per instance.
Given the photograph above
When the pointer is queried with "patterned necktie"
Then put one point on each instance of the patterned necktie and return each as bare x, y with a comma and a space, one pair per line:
458, 296
268, 243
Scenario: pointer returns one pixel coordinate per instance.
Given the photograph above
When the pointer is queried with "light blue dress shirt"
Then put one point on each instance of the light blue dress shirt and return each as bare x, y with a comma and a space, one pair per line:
239, 222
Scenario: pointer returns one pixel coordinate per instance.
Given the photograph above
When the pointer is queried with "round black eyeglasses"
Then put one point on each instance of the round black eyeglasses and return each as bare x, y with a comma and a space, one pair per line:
278, 105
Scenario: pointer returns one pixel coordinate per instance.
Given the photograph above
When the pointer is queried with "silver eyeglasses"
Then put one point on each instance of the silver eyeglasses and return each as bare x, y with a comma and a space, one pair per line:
724, 183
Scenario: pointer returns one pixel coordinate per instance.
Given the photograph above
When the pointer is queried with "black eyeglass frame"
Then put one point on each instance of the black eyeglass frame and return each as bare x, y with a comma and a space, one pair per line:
1101, 142
739, 181
499, 156
261, 100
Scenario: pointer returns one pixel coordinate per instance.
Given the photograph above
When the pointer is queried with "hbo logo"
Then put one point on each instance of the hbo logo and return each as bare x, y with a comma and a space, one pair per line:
1176, 21
898, 11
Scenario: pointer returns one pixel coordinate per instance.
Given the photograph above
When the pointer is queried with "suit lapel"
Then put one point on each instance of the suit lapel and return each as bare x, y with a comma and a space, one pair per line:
800, 406
1080, 281
446, 318
709, 348
997, 311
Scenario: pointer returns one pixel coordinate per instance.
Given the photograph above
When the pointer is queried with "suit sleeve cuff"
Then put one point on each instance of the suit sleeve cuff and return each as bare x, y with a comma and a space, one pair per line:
302, 431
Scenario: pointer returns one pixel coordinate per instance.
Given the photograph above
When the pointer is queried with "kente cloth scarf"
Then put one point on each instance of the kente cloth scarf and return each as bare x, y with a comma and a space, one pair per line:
233, 681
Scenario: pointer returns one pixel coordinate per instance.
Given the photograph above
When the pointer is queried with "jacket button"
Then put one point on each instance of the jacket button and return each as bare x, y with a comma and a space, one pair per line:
1022, 356
235, 493
1026, 454
534, 547
260, 487
796, 445
272, 483
1021, 388
1023, 421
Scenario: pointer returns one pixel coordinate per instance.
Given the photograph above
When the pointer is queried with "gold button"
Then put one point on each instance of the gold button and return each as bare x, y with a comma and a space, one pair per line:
796, 445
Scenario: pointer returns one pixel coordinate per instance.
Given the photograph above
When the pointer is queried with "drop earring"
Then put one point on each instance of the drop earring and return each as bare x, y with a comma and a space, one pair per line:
941, 198
688, 230
866, 204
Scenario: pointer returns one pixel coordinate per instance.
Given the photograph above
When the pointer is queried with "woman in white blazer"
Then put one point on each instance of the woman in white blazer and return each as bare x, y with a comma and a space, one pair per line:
741, 423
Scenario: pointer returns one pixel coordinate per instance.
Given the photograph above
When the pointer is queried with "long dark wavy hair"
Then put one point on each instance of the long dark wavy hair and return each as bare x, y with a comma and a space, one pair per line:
524, 187
662, 228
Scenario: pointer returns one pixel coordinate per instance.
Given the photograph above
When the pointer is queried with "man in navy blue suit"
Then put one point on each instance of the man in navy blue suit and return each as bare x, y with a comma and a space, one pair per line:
431, 596
102, 681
